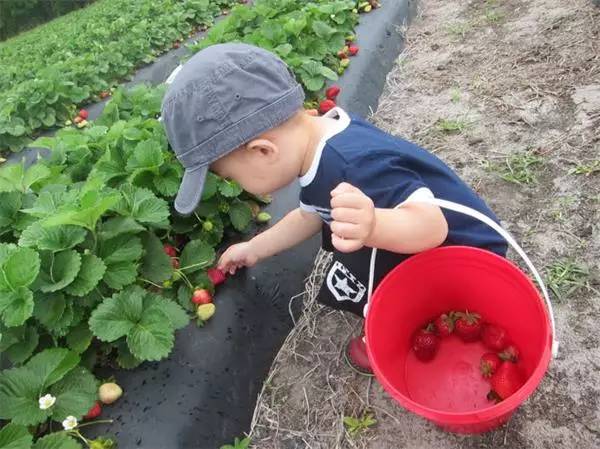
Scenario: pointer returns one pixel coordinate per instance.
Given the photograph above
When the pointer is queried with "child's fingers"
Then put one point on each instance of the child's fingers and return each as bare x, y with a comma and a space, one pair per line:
347, 214
345, 245
344, 187
349, 199
346, 230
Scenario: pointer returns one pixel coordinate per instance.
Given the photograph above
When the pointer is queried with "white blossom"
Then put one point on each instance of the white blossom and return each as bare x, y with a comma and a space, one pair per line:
46, 401
70, 423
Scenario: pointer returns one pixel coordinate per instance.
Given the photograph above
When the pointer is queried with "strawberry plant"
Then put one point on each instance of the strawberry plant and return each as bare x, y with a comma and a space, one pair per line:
307, 38
95, 268
90, 50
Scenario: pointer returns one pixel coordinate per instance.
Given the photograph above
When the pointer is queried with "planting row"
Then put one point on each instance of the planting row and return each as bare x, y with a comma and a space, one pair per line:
48, 71
95, 268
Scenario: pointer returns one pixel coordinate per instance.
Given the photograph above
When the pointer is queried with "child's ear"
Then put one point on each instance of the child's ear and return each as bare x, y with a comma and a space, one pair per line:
263, 148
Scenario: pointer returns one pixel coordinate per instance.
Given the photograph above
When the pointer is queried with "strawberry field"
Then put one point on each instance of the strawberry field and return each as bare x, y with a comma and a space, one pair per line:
96, 268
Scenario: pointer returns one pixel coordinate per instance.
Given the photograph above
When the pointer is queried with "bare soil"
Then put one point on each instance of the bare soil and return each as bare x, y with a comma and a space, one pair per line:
508, 93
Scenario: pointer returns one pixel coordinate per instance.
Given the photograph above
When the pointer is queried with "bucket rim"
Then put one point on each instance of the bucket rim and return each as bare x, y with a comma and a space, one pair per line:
493, 411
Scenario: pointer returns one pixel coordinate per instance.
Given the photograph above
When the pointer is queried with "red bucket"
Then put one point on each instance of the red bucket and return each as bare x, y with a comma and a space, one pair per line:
450, 390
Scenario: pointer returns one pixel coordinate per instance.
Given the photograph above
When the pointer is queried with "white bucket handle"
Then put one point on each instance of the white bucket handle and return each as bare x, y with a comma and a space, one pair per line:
444, 204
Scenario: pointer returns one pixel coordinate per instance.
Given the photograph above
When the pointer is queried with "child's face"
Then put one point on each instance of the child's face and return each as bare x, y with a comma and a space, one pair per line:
267, 163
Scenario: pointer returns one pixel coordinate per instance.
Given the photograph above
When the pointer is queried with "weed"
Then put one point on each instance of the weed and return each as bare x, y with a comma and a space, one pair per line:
458, 29
455, 95
238, 444
519, 167
586, 169
355, 426
564, 203
564, 277
451, 126
493, 15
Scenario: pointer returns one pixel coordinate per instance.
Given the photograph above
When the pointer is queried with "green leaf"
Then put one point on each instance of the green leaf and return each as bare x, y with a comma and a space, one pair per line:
168, 180
13, 436
117, 315
147, 155
16, 178
328, 73
210, 186
195, 256
156, 265
124, 248
119, 225
75, 394
322, 29
19, 268
229, 189
49, 309
177, 316
58, 270
125, 358
92, 206
240, 214
55, 238
120, 274
79, 338
184, 295
18, 343
142, 205
57, 440
51, 365
91, 273
10, 203
152, 338
19, 394
16, 306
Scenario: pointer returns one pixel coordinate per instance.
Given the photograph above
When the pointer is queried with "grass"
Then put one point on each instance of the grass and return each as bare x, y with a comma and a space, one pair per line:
519, 168
493, 15
586, 169
455, 95
451, 126
458, 30
565, 277
354, 426
562, 206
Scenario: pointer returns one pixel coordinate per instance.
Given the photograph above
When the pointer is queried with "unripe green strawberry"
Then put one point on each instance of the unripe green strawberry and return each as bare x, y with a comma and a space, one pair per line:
206, 311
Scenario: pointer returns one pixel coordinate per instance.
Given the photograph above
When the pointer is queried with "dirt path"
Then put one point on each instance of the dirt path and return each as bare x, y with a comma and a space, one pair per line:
508, 93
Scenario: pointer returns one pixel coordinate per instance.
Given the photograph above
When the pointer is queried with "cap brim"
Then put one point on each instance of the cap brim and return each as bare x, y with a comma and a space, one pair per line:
190, 190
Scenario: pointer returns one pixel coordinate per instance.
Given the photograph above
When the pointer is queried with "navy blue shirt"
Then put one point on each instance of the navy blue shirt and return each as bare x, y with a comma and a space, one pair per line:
389, 170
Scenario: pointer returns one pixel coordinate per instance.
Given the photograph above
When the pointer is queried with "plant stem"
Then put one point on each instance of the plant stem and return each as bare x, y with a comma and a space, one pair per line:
100, 421
151, 283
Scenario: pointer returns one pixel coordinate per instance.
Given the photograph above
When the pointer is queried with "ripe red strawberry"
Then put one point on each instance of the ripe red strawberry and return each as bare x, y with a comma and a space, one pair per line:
201, 296
445, 324
176, 45
216, 276
104, 94
342, 54
77, 119
332, 92
489, 364
175, 263
493, 337
326, 105
507, 380
83, 114
170, 250
510, 354
352, 50
94, 412
468, 326
425, 343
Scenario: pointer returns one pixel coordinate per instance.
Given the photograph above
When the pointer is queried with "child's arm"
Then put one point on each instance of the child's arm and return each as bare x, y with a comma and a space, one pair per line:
407, 230
292, 229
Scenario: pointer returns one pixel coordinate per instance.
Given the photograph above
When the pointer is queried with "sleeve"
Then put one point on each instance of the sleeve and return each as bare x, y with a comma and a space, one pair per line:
386, 180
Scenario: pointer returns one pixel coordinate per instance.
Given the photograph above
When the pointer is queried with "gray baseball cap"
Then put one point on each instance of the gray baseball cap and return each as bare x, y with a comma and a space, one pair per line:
223, 97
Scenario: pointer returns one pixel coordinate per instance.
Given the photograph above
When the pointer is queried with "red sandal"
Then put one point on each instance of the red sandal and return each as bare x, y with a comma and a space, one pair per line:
356, 356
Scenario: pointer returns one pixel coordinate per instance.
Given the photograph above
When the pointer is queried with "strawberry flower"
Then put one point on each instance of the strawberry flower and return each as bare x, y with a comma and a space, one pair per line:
69, 423
46, 401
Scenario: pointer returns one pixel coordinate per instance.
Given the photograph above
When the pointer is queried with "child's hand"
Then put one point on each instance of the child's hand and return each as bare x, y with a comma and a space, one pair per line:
353, 216
237, 256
